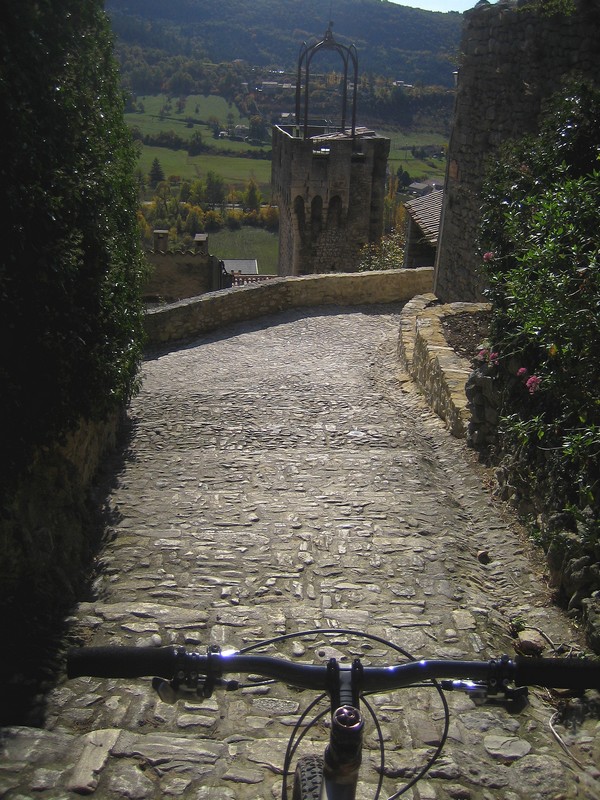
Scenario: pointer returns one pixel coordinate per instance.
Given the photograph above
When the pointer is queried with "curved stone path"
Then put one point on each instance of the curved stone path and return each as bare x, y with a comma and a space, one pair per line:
284, 475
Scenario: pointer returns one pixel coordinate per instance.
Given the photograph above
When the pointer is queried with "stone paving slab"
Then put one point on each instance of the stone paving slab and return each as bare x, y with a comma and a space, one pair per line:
284, 475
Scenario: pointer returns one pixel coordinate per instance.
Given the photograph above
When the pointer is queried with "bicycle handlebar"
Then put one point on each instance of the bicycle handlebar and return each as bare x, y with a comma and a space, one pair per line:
168, 662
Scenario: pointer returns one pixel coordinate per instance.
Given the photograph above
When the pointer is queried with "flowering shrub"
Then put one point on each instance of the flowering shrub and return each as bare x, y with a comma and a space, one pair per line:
541, 257
531, 382
488, 357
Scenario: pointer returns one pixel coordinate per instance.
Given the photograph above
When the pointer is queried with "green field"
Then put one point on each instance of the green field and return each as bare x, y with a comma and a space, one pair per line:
247, 243
157, 116
401, 156
236, 171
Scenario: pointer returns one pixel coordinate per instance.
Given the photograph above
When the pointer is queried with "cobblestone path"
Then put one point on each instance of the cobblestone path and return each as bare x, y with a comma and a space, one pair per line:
284, 475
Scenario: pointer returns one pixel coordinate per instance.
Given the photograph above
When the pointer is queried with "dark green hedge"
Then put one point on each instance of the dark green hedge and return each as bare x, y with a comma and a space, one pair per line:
70, 264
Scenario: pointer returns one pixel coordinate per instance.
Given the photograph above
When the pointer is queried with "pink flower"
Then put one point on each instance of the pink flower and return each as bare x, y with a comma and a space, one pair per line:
482, 355
533, 384
489, 256
494, 358
522, 372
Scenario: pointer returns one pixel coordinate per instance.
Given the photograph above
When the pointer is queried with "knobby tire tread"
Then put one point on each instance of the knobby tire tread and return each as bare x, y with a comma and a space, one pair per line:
308, 778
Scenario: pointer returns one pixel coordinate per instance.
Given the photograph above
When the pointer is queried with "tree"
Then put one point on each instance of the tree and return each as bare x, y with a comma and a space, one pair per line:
252, 196
213, 221
185, 191
156, 174
162, 199
257, 128
71, 267
215, 189
269, 217
197, 194
194, 221
214, 124
404, 178
196, 145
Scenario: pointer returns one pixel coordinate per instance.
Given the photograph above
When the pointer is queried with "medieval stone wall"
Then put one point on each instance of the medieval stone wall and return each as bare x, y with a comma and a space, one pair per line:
512, 59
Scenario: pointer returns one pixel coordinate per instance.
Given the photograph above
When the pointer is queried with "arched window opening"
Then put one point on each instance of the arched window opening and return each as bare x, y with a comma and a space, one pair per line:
316, 216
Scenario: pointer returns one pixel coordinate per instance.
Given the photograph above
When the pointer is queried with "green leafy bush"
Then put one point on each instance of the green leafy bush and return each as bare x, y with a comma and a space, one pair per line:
70, 313
540, 227
388, 253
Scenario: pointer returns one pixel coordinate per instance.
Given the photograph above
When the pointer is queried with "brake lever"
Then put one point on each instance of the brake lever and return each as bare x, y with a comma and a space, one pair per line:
170, 691
188, 683
479, 692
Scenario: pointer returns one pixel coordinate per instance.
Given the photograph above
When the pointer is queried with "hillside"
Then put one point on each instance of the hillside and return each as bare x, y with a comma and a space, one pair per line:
395, 41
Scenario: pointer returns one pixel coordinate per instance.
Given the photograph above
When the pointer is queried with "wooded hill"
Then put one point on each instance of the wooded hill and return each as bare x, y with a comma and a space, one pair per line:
403, 43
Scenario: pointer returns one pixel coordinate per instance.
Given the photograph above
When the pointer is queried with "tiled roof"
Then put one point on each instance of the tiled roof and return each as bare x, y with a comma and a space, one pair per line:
426, 211
247, 266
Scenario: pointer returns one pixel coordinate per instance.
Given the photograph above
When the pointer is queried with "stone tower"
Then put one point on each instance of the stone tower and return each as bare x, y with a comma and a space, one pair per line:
328, 181
513, 57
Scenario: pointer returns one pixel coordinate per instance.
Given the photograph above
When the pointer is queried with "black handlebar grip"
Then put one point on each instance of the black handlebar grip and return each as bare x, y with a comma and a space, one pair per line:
122, 662
558, 673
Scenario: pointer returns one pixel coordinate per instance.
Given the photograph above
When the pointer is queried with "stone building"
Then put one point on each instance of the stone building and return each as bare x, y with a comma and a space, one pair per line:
328, 180
175, 275
513, 57
422, 229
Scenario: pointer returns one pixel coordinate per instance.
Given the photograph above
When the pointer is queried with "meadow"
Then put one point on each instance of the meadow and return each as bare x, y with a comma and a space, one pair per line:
247, 242
161, 114
235, 171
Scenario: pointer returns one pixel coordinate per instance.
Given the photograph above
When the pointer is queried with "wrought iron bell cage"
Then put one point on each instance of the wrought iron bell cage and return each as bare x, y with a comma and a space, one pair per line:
349, 56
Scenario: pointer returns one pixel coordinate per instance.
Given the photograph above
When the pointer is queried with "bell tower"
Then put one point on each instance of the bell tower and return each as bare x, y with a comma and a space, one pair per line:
327, 179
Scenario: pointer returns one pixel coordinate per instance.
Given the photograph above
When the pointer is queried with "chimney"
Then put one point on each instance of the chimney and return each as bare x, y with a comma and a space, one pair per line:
201, 242
161, 241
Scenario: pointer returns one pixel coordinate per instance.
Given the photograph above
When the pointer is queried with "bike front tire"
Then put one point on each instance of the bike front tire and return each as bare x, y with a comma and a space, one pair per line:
308, 778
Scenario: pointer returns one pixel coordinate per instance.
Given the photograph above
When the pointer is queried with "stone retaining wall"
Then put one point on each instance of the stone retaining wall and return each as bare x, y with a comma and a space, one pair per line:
467, 401
434, 366
188, 318
48, 533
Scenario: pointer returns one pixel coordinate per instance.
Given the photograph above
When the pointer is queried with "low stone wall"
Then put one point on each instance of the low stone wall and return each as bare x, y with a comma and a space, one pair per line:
435, 367
188, 318
467, 400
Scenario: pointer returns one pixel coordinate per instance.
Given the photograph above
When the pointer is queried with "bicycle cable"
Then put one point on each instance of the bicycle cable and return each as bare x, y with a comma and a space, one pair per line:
380, 743
296, 738
293, 745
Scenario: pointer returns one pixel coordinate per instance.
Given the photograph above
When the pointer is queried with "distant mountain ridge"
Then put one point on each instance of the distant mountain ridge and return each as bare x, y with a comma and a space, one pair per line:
392, 40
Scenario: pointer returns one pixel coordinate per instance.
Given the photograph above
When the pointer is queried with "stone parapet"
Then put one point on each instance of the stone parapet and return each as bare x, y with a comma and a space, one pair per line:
188, 318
